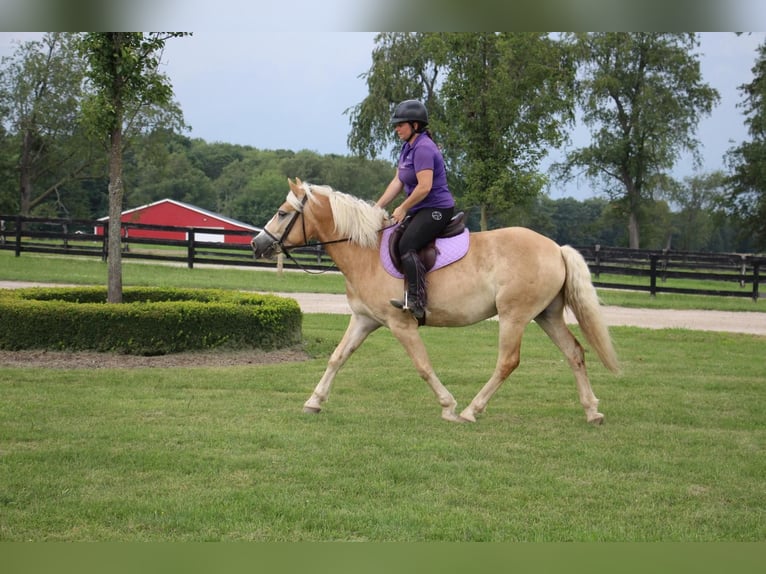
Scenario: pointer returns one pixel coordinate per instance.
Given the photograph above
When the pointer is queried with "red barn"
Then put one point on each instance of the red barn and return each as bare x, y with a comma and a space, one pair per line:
179, 214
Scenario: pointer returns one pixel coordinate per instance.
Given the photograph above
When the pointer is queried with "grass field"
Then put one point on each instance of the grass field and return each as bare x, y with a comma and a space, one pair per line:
205, 453
225, 453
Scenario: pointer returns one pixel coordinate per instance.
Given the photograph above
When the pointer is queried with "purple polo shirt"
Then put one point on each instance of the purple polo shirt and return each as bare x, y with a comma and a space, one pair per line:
424, 154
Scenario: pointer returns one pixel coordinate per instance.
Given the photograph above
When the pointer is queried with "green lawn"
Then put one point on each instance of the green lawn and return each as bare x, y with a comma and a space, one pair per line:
204, 453
226, 454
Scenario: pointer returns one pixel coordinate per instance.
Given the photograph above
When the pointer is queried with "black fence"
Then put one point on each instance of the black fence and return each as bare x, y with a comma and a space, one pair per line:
79, 237
665, 271
737, 273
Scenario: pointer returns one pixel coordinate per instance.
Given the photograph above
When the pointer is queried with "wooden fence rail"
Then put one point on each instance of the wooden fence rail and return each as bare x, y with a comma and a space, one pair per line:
78, 237
737, 274
658, 266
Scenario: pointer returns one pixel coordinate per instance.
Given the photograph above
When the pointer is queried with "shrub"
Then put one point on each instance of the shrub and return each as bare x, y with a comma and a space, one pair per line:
150, 321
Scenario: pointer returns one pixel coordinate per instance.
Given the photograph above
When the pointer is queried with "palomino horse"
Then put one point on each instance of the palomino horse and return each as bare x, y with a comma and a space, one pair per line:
513, 273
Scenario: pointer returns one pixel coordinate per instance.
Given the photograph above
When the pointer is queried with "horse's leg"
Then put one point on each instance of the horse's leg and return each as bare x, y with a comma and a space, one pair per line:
416, 349
552, 322
509, 353
359, 327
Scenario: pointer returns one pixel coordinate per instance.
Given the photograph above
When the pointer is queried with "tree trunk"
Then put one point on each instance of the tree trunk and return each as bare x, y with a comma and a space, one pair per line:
114, 247
25, 176
633, 238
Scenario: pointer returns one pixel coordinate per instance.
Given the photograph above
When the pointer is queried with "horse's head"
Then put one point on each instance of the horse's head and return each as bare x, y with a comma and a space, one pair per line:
281, 231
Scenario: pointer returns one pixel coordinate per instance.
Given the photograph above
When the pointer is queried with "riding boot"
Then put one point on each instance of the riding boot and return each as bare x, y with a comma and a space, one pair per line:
415, 296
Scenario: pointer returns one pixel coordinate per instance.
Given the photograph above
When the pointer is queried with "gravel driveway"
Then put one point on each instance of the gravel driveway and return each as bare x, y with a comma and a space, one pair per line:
753, 323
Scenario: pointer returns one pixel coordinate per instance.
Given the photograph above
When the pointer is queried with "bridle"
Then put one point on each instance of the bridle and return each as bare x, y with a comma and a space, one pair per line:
279, 242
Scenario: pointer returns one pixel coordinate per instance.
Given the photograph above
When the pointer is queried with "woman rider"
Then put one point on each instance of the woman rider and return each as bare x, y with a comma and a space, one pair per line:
428, 205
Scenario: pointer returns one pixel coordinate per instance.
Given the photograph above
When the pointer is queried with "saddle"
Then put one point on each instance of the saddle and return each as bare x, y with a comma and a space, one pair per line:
427, 254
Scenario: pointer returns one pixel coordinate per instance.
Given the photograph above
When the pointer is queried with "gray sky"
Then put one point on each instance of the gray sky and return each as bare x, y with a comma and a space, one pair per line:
288, 89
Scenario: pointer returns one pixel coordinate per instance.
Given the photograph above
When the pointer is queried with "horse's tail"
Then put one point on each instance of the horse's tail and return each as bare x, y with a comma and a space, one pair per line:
581, 297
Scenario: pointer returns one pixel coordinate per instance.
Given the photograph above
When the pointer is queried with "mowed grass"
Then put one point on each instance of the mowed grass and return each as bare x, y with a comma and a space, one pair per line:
93, 271
226, 453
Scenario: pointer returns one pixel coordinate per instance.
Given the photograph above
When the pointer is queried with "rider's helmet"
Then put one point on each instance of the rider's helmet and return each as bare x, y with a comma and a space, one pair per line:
410, 111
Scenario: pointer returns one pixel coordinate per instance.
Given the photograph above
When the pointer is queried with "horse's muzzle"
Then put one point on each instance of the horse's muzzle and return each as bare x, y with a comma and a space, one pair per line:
264, 246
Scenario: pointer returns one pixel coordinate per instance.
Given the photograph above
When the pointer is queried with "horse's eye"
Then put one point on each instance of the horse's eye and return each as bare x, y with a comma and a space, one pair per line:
281, 213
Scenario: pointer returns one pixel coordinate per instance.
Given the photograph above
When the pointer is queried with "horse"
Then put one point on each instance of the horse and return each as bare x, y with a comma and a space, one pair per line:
513, 273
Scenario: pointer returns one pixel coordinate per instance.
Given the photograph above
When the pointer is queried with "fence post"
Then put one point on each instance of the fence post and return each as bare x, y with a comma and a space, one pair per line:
653, 276
105, 242
18, 236
742, 270
597, 257
756, 266
190, 249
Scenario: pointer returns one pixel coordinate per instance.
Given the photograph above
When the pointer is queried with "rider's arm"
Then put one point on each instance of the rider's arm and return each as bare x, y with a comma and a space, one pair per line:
422, 189
392, 190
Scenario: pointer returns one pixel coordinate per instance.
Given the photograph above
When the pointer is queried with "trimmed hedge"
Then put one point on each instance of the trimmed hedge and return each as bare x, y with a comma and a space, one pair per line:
150, 321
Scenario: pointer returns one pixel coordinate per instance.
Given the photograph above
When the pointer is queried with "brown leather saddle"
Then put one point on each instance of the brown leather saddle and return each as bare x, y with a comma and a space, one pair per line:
427, 254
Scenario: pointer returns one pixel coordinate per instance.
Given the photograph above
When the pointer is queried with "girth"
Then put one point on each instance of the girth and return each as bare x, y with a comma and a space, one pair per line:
427, 254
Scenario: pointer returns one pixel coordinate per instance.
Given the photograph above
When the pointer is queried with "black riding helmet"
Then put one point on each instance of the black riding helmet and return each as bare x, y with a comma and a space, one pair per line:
411, 111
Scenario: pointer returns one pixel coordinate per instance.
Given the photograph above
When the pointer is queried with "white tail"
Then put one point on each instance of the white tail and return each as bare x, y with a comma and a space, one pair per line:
580, 296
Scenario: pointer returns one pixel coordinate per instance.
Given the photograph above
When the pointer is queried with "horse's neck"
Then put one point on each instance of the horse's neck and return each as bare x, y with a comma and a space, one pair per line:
354, 261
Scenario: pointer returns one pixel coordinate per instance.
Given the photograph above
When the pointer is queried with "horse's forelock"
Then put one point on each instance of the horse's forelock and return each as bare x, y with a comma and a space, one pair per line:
309, 190
293, 200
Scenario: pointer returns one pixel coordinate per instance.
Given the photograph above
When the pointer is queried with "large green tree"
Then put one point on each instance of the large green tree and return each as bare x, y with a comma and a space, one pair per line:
404, 65
496, 103
642, 96
747, 162
507, 101
41, 88
124, 72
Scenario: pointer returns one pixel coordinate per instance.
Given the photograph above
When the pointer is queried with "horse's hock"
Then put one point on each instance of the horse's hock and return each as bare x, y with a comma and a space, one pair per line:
150, 321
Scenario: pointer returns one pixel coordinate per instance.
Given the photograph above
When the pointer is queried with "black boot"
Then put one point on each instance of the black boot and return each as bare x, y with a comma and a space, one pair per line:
415, 295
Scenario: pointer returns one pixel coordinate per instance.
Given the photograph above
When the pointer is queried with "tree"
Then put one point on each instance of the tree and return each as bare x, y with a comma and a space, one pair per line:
495, 103
404, 65
123, 69
507, 100
747, 183
41, 91
642, 95
697, 199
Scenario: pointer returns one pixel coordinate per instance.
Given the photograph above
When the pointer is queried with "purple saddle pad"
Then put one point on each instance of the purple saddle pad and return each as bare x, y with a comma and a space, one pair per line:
448, 250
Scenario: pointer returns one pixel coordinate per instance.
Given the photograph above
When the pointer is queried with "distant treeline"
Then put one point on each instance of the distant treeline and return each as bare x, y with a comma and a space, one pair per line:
248, 184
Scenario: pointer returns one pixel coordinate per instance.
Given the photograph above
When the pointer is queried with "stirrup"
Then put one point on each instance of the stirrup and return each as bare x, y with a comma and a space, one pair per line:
404, 304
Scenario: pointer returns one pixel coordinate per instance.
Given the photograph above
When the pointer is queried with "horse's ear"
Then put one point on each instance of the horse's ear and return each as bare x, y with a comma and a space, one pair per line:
298, 182
293, 185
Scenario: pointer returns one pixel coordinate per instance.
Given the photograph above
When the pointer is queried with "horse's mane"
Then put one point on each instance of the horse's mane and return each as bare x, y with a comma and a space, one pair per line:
355, 218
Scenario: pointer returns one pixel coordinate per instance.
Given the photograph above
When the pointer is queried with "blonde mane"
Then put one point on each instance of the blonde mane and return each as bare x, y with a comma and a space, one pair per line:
355, 218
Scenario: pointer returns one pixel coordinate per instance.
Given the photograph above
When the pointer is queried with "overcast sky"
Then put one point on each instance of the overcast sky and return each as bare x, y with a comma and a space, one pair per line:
289, 89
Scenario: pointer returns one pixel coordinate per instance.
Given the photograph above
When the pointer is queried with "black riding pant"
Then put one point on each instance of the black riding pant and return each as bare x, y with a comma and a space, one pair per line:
422, 227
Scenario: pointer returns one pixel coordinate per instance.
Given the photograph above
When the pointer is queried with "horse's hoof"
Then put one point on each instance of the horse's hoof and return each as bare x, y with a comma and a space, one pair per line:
452, 417
312, 410
596, 420
467, 417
